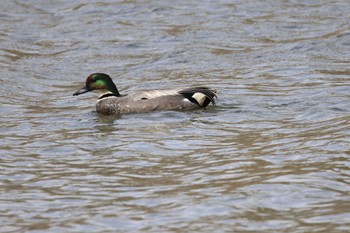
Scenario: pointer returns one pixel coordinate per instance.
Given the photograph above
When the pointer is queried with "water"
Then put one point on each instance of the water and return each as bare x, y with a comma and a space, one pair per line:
272, 156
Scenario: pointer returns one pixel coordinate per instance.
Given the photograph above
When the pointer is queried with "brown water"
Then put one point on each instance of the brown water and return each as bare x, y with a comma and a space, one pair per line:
272, 156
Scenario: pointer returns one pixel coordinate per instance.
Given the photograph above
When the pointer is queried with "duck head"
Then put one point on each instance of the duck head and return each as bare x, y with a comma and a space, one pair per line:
98, 82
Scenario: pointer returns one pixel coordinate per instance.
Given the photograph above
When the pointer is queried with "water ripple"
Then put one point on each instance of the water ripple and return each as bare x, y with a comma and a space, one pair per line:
273, 155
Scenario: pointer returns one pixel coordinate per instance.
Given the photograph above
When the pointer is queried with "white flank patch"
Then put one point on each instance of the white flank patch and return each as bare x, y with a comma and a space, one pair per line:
199, 97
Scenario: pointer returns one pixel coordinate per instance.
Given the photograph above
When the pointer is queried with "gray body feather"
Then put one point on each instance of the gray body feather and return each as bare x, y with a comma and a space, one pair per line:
146, 101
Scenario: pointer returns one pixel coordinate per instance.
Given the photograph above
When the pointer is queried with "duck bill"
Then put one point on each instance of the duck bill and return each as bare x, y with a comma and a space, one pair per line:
82, 91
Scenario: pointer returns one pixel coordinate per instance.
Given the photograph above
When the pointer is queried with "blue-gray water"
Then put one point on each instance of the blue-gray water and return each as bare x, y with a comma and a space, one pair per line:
272, 156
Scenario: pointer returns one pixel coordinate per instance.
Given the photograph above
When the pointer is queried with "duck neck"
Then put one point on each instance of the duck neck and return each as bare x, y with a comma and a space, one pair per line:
112, 88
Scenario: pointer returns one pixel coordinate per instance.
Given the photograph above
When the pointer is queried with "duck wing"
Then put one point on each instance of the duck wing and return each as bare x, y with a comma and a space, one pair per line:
201, 96
152, 94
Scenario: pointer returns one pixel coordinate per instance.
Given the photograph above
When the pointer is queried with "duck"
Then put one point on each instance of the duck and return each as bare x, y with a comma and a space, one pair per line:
111, 102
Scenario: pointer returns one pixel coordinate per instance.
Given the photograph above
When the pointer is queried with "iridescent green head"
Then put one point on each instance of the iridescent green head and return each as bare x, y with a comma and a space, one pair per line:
98, 81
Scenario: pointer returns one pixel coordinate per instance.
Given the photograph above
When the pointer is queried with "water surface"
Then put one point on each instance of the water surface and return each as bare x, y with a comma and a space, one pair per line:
272, 156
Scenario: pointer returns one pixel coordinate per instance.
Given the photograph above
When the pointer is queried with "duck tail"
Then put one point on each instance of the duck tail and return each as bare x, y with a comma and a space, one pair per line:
202, 96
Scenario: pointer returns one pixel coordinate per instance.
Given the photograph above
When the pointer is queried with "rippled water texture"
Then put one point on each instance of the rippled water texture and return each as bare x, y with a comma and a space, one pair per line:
272, 156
